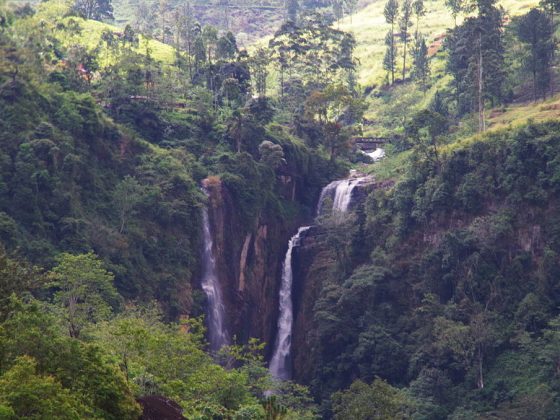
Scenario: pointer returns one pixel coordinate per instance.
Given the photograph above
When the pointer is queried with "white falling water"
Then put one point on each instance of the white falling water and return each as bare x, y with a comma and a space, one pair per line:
376, 155
341, 194
211, 287
325, 192
280, 363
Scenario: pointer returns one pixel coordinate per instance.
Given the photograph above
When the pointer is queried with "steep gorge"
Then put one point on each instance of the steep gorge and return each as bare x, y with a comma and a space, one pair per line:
248, 262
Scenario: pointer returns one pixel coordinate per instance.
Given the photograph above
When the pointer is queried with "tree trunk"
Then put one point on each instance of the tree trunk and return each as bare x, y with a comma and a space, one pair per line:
404, 58
553, 54
481, 125
392, 53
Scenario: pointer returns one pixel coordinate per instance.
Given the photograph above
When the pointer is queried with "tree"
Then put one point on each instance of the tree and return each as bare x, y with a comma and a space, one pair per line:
476, 60
30, 395
258, 64
94, 9
170, 359
391, 13
210, 37
84, 290
292, 8
144, 20
551, 6
404, 25
16, 278
390, 58
271, 154
318, 52
467, 342
421, 63
426, 128
368, 402
31, 331
419, 11
336, 139
243, 131
536, 29
456, 7
328, 108
226, 47
126, 197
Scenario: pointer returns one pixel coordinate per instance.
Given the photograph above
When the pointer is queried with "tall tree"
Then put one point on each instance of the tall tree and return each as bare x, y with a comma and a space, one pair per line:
476, 60
456, 7
292, 8
314, 49
536, 29
258, 64
419, 11
390, 59
128, 194
84, 290
210, 37
551, 6
226, 47
391, 13
421, 64
404, 26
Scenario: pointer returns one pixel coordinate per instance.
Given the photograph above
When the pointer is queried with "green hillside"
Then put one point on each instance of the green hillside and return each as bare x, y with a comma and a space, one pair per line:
192, 225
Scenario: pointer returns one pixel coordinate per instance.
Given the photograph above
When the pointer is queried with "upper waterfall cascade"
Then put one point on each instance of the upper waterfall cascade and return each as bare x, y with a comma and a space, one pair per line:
340, 192
211, 286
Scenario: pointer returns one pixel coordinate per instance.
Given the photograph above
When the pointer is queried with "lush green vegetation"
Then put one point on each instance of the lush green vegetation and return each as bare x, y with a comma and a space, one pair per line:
440, 295
456, 301
105, 137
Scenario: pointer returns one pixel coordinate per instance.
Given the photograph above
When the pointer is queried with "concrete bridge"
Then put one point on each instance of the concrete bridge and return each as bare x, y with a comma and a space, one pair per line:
369, 143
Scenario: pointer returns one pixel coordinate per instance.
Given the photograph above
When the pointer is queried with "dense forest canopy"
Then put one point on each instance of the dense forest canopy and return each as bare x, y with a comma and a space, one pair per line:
126, 126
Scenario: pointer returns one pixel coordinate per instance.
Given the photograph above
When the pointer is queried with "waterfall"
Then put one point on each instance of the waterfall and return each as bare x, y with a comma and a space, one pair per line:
211, 287
341, 194
280, 363
326, 192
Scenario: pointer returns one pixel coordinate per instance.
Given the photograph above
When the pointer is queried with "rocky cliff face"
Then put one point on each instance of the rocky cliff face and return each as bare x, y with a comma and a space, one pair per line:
249, 264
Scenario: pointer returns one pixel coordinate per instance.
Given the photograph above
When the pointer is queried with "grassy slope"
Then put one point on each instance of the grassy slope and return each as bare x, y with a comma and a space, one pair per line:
369, 27
54, 12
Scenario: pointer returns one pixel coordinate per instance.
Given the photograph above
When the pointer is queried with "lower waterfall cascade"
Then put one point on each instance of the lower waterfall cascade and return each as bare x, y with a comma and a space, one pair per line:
280, 363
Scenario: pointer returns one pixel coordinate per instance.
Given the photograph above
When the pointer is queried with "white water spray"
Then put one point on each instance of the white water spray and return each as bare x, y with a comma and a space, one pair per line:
280, 364
340, 192
211, 286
